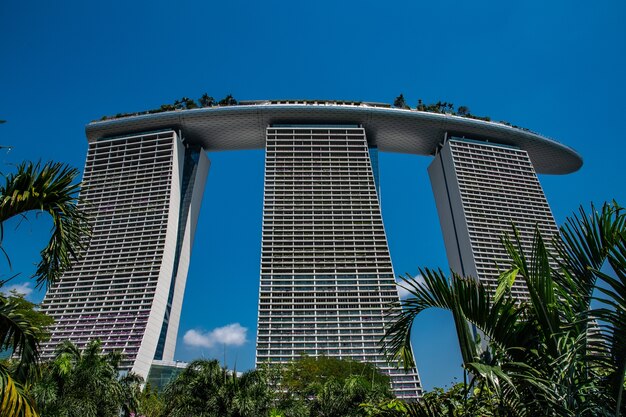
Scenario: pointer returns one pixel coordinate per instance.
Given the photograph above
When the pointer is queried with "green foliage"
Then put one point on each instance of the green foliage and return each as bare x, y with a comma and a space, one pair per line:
185, 103
342, 399
229, 100
554, 354
400, 103
150, 403
49, 188
205, 389
85, 383
386, 408
325, 386
461, 400
306, 371
189, 103
207, 101
21, 329
164, 107
20, 336
443, 107
17, 335
14, 401
31, 313
463, 111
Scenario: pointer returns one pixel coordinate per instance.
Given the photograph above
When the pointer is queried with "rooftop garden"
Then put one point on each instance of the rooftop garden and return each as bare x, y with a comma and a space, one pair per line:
185, 103
441, 107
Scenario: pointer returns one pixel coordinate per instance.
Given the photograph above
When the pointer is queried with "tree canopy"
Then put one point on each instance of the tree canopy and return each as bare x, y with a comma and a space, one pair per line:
85, 383
308, 370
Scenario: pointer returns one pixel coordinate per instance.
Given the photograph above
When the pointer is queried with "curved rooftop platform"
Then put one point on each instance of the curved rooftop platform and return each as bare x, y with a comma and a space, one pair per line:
390, 129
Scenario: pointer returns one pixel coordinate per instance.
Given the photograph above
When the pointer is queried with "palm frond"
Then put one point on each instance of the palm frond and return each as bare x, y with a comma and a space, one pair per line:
435, 291
14, 402
49, 188
535, 270
19, 336
468, 301
588, 242
584, 243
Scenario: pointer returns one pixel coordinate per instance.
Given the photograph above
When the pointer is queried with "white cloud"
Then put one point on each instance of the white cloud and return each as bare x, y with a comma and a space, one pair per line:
403, 292
24, 288
230, 335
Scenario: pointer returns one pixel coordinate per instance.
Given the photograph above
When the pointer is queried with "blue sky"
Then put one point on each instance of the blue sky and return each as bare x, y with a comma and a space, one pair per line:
555, 67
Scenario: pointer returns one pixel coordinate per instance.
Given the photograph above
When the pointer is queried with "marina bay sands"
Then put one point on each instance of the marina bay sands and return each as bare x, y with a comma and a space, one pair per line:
326, 279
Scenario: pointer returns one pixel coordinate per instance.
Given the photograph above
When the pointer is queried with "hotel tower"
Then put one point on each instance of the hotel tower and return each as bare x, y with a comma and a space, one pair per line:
143, 193
481, 190
326, 275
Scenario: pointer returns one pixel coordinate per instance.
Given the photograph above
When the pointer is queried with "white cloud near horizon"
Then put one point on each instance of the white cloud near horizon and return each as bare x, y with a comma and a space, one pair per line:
230, 335
24, 288
403, 292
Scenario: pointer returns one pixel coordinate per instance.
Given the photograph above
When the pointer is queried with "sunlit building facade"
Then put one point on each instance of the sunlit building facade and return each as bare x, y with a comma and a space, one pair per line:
326, 276
481, 190
143, 194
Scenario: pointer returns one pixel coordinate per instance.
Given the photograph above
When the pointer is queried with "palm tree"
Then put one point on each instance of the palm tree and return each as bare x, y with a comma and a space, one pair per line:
206, 100
542, 355
400, 103
335, 398
229, 100
48, 188
589, 243
205, 389
330, 400
252, 395
323, 386
150, 402
85, 383
463, 111
19, 336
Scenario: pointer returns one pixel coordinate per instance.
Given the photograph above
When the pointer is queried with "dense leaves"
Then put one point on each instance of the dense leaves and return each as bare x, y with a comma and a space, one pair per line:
184, 103
49, 188
20, 332
331, 388
326, 387
306, 371
85, 383
400, 103
562, 351
150, 403
460, 400
205, 389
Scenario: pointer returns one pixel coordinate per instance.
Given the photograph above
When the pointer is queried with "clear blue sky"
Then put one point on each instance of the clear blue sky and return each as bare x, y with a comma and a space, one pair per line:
555, 67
